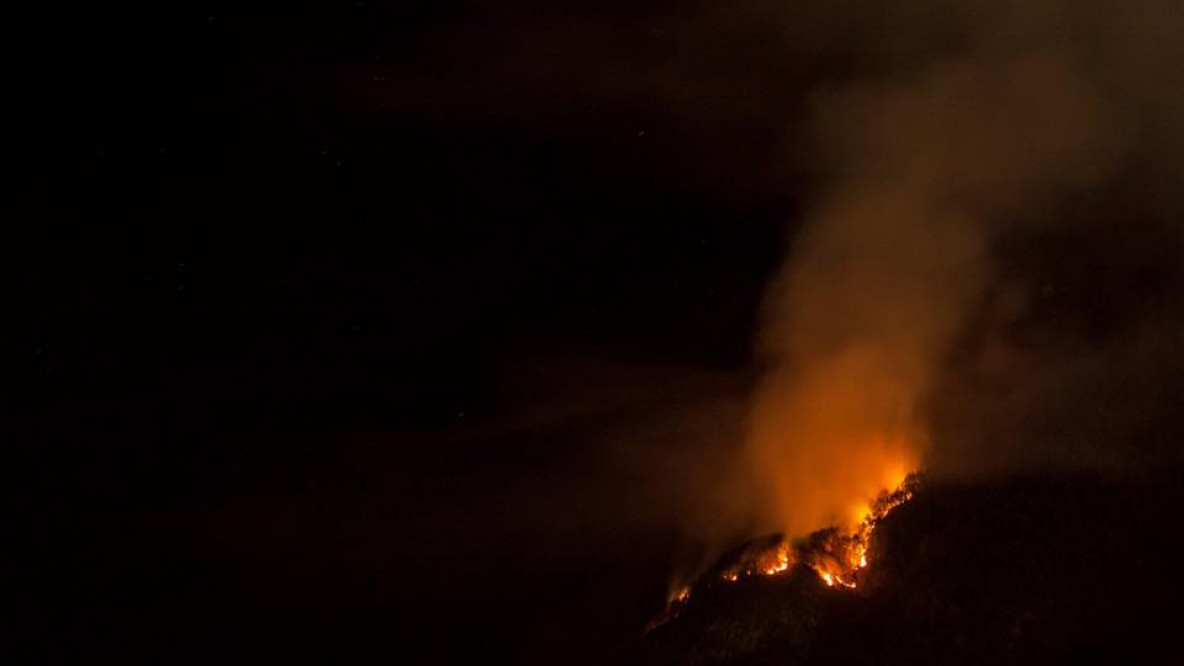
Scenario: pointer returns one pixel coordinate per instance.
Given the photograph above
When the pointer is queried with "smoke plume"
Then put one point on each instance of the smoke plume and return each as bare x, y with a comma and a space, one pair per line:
933, 165
986, 274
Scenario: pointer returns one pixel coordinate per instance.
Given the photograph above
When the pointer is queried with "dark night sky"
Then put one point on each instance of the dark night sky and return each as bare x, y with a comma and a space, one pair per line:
296, 287
352, 331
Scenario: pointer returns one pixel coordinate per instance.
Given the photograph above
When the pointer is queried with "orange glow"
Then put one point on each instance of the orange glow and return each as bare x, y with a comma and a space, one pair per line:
774, 562
842, 555
828, 441
838, 556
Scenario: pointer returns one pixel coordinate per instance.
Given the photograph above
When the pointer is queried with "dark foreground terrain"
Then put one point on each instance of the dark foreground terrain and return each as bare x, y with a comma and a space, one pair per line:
1033, 571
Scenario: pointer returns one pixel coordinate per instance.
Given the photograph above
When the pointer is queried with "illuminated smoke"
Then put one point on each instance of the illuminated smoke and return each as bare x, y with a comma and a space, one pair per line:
925, 168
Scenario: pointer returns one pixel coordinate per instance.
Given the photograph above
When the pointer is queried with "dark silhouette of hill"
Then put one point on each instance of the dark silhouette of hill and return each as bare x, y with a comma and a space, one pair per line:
1038, 570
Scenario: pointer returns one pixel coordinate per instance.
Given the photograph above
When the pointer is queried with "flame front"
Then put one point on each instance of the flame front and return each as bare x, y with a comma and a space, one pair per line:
840, 557
837, 556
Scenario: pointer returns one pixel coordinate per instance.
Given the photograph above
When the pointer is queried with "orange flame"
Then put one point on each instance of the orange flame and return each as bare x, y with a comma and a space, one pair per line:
838, 557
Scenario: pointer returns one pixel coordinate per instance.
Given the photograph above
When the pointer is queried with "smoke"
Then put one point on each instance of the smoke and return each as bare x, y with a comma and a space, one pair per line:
957, 148
986, 274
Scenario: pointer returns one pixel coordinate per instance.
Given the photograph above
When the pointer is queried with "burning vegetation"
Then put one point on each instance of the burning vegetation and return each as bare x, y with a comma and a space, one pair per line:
839, 556
835, 554
1028, 570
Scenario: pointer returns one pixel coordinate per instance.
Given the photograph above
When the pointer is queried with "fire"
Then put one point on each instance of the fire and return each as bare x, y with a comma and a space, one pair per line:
837, 556
778, 562
828, 439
